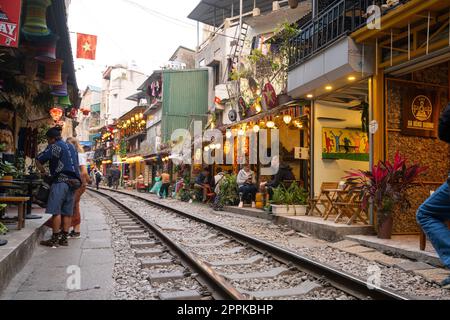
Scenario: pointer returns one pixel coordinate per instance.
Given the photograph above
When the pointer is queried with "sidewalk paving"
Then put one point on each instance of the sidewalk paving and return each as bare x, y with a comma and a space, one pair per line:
46, 276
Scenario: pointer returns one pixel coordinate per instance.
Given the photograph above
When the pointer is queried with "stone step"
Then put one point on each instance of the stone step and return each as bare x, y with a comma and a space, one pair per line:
143, 245
303, 289
222, 253
275, 272
208, 245
181, 295
149, 253
252, 260
165, 277
153, 263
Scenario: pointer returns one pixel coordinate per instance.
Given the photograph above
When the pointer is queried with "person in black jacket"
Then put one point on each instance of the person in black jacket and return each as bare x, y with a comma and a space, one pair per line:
435, 211
284, 174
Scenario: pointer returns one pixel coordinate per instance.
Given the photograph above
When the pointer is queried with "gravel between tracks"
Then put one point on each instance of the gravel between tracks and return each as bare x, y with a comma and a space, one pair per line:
391, 277
131, 281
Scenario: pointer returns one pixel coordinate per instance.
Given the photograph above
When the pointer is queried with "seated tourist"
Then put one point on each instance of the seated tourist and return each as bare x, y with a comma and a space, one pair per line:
203, 184
284, 174
246, 181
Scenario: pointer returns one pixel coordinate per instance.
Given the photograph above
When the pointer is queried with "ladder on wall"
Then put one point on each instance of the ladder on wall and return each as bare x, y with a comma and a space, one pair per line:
237, 48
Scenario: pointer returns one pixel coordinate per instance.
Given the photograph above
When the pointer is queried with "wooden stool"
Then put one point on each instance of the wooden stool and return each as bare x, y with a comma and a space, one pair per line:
21, 203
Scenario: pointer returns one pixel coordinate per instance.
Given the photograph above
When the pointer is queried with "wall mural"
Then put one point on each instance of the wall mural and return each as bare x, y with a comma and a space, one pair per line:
347, 144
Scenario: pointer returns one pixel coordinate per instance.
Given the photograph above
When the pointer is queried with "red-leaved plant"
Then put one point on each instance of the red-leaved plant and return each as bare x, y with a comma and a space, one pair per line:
386, 185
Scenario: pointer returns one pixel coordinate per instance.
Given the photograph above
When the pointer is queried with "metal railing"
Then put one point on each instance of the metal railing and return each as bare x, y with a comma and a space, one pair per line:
339, 19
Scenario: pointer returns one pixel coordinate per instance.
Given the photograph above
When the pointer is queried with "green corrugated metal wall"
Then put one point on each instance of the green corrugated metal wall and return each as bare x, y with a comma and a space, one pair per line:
185, 96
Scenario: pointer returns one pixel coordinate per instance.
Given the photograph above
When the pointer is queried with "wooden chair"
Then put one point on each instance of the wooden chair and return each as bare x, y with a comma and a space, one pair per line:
350, 205
322, 199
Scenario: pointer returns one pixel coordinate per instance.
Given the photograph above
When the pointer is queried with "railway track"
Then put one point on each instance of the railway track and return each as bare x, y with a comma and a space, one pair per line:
229, 264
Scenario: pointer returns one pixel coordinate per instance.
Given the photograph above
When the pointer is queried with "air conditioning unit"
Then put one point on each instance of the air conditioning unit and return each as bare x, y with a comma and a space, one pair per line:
276, 6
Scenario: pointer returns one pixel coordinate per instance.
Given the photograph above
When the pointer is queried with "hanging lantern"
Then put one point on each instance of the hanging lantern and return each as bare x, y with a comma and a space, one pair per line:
270, 124
56, 114
65, 101
256, 128
73, 113
45, 50
229, 134
36, 18
53, 75
287, 119
61, 91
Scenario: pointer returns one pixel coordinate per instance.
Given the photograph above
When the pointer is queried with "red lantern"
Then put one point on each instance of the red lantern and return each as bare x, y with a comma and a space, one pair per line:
73, 113
56, 114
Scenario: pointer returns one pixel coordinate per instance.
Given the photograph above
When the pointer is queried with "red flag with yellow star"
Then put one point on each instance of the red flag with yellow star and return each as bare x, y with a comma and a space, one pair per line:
86, 46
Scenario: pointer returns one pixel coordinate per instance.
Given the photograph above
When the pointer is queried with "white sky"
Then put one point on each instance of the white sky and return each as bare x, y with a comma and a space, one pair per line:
126, 33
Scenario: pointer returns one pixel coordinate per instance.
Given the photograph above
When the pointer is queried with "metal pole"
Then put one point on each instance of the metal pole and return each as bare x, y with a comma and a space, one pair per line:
198, 36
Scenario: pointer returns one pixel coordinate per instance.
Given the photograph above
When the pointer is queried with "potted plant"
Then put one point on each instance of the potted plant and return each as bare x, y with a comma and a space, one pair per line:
386, 188
289, 202
7, 172
228, 194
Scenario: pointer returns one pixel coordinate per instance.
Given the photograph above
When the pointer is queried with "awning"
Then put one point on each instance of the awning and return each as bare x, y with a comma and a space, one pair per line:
399, 17
214, 12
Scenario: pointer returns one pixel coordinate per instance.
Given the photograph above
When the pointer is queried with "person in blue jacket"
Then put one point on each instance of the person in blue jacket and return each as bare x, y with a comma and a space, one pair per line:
434, 214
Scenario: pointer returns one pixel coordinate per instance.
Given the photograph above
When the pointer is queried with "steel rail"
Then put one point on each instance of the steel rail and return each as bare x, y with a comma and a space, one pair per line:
218, 286
337, 278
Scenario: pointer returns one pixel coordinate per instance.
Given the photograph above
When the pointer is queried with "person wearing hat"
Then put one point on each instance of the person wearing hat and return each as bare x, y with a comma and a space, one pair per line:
65, 178
6, 132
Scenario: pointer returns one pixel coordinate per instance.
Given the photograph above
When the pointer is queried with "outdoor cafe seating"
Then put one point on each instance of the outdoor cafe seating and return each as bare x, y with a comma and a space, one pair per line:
336, 199
19, 192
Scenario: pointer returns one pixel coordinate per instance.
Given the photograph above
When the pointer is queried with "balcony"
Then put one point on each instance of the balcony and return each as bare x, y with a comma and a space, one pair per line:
338, 20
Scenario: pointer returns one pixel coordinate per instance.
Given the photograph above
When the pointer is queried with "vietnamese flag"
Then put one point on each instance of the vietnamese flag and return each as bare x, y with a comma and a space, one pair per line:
86, 46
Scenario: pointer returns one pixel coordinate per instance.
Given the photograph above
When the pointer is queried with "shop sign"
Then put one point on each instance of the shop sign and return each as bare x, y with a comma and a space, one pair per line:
421, 112
10, 11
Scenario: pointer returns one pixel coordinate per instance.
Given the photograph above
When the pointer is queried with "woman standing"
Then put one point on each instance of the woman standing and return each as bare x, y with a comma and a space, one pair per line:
85, 179
158, 183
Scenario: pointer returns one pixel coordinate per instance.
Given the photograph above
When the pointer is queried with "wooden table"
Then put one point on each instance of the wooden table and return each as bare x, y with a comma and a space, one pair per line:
17, 185
21, 202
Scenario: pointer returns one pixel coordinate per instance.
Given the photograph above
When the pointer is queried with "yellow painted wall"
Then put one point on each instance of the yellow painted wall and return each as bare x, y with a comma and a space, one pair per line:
332, 170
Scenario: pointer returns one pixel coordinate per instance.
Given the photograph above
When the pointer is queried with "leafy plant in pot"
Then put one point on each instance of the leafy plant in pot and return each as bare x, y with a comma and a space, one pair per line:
228, 193
291, 201
7, 172
386, 188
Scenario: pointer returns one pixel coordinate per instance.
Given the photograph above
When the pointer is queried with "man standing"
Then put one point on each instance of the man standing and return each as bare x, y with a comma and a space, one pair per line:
115, 174
98, 178
434, 213
65, 175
